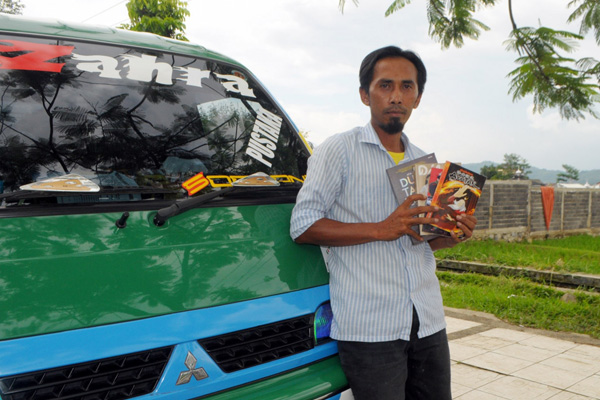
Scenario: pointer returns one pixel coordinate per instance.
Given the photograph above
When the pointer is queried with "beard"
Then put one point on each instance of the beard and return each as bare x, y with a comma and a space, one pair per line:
393, 127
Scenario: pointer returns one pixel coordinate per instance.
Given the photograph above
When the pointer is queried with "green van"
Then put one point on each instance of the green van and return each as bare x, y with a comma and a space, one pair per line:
146, 187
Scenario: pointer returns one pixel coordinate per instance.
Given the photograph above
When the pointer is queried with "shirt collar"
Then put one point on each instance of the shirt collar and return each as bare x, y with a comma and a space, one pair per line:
368, 135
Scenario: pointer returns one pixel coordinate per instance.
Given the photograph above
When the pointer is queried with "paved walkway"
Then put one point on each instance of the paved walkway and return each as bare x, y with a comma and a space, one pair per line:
492, 360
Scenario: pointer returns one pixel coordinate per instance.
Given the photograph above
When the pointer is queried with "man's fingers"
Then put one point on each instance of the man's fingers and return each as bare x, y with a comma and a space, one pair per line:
467, 220
467, 224
415, 235
423, 221
422, 210
411, 212
412, 198
466, 230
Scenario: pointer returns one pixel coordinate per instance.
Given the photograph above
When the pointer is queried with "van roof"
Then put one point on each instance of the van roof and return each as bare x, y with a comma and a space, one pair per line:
105, 34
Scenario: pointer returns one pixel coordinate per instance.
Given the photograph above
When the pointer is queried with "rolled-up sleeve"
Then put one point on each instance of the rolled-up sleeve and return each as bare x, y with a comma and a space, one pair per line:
324, 179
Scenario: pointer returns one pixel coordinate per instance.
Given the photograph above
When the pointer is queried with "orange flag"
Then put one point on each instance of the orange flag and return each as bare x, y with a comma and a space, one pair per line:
548, 203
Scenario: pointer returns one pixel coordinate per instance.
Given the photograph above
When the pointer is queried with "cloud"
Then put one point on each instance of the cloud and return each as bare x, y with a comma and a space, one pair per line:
307, 54
320, 124
547, 122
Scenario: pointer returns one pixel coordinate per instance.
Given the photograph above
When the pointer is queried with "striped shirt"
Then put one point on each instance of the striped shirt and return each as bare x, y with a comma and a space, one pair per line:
375, 285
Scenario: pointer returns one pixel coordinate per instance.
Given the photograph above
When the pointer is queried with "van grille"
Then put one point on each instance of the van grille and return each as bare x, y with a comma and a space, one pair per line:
247, 348
113, 378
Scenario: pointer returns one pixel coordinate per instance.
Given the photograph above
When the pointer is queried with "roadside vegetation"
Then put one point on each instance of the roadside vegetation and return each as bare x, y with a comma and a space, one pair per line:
572, 254
518, 300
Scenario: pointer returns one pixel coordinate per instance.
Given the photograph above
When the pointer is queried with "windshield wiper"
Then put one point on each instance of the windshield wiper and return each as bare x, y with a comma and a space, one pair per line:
182, 206
275, 194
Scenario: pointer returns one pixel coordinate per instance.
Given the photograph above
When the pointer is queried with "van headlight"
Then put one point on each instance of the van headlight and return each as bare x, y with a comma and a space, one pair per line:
322, 323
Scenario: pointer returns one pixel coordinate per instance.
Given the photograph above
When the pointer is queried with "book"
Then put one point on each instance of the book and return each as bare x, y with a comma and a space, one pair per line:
422, 172
423, 180
434, 179
457, 192
402, 177
427, 177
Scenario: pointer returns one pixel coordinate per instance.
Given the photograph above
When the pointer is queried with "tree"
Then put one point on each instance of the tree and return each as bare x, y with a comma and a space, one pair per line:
163, 17
491, 172
553, 79
513, 167
571, 174
11, 7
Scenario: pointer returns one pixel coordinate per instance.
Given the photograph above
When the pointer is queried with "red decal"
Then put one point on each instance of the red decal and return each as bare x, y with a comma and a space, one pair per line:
36, 60
195, 184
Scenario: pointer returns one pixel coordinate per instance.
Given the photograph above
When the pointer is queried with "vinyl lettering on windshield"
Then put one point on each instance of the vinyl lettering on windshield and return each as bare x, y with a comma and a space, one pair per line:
264, 136
36, 58
139, 124
142, 68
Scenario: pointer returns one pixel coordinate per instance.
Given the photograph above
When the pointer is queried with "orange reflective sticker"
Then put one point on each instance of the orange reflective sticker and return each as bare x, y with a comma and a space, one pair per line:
195, 184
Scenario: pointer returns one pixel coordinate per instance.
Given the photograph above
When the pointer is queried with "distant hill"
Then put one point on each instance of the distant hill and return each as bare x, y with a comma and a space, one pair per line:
545, 175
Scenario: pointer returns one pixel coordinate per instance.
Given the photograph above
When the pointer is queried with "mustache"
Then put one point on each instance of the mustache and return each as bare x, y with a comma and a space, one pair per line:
395, 108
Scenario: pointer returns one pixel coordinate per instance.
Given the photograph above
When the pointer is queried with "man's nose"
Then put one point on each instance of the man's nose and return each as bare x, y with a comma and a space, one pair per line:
396, 96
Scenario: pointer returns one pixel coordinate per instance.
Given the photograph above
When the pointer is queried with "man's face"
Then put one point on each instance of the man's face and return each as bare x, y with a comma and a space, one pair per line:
393, 94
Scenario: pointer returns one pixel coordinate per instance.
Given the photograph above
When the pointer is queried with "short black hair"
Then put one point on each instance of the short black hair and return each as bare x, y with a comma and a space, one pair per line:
368, 65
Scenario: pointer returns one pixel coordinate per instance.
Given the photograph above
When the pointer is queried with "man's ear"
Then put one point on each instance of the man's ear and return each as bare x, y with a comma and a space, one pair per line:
364, 97
418, 101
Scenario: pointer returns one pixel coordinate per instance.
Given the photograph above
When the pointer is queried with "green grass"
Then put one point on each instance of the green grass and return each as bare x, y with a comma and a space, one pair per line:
519, 300
522, 302
582, 242
572, 254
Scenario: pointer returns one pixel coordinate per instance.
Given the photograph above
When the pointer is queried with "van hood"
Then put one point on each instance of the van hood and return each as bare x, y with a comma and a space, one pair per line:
75, 271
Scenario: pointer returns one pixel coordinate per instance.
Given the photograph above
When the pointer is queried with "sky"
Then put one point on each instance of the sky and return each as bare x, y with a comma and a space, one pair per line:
307, 53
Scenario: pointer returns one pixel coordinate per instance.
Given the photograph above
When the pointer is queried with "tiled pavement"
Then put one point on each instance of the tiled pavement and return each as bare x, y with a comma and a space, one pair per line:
492, 360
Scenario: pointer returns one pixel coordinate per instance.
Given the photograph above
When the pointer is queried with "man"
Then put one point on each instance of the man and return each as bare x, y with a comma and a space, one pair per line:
387, 306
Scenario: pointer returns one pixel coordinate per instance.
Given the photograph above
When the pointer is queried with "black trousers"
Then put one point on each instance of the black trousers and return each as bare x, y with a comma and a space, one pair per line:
418, 369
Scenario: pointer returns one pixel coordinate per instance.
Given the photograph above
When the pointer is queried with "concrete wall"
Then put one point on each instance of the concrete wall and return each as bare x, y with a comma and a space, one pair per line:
512, 210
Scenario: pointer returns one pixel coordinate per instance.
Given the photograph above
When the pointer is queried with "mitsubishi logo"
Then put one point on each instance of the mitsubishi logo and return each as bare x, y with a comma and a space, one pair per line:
186, 376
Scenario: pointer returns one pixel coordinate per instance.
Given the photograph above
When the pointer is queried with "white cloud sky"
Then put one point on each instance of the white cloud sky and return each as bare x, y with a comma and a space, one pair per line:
307, 54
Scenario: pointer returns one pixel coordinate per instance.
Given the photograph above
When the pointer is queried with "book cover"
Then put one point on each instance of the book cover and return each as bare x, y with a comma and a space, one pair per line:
457, 192
427, 177
402, 177
423, 180
434, 179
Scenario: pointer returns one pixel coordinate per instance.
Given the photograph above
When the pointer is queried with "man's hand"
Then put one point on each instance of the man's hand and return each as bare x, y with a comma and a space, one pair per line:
466, 223
404, 218
327, 232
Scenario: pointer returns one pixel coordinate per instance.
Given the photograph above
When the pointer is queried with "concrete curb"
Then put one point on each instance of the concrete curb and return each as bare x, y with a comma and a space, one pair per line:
489, 321
546, 277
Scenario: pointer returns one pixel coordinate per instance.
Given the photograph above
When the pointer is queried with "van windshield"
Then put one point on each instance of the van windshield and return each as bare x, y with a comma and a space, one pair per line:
126, 119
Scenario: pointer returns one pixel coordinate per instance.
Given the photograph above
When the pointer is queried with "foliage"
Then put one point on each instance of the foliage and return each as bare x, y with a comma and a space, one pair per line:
11, 7
544, 72
491, 172
162, 17
571, 174
522, 302
573, 254
552, 79
518, 300
513, 167
577, 242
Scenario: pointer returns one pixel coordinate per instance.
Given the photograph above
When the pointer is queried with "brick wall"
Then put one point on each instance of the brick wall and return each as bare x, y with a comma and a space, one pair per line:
513, 210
